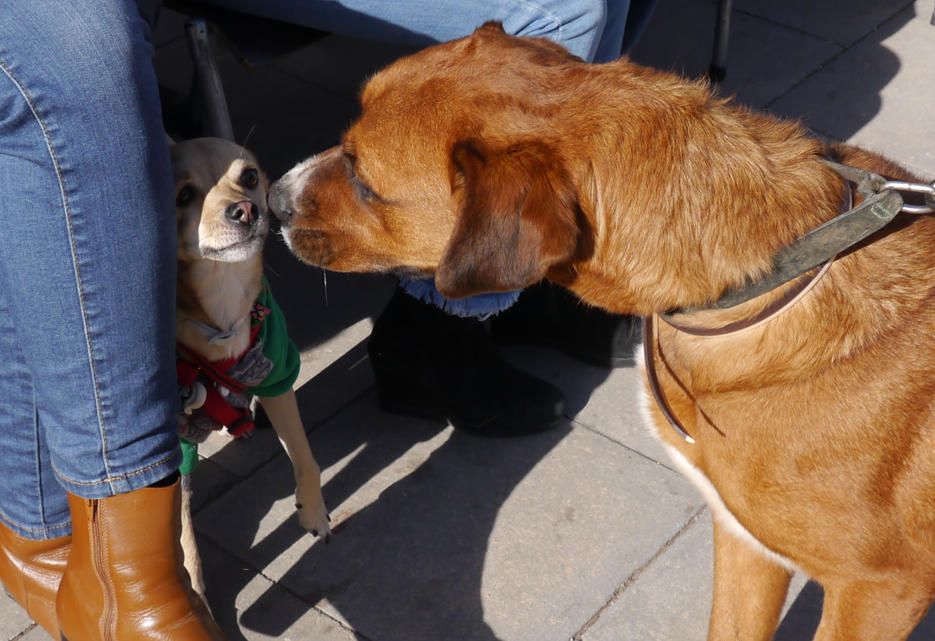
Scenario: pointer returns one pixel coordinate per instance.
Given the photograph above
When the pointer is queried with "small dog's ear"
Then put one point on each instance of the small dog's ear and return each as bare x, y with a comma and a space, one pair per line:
517, 217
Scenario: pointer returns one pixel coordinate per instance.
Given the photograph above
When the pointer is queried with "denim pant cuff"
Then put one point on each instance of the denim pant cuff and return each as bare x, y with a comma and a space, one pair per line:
127, 482
47, 531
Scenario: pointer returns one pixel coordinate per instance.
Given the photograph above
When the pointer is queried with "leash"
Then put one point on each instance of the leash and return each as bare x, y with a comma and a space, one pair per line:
882, 201
205, 366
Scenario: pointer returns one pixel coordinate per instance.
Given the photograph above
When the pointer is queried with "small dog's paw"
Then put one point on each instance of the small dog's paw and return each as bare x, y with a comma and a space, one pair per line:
313, 515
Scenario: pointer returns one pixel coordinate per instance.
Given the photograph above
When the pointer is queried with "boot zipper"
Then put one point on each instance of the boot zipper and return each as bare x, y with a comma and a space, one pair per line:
99, 567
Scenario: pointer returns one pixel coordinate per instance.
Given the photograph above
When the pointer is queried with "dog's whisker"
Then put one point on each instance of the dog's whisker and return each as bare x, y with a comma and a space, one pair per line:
243, 147
324, 280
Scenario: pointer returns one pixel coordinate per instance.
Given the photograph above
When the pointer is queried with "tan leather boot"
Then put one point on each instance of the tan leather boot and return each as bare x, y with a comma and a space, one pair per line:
31, 571
125, 580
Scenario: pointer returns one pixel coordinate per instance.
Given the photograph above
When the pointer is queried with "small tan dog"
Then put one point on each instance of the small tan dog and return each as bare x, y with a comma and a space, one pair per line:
492, 162
230, 332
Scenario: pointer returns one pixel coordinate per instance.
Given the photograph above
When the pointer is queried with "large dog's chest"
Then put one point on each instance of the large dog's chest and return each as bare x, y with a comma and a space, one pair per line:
724, 516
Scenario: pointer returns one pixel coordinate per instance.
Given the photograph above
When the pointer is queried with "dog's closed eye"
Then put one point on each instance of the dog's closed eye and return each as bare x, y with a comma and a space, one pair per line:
364, 191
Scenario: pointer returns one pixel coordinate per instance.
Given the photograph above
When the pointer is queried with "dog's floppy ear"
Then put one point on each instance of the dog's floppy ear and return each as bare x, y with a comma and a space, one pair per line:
517, 218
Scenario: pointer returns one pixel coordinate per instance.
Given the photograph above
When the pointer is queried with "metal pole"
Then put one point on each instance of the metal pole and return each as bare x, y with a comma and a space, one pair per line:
718, 68
207, 81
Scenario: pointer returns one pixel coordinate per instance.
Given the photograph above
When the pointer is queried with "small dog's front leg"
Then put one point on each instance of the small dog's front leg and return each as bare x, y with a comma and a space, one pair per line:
283, 413
192, 559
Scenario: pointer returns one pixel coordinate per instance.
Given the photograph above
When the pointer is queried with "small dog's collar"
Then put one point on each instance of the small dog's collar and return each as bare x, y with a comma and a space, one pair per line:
215, 335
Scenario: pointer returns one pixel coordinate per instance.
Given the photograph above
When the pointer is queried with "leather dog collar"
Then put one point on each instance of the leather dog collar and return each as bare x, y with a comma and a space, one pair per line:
821, 245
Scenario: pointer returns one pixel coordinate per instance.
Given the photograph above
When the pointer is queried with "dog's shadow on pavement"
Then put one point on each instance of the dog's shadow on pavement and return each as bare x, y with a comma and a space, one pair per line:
414, 505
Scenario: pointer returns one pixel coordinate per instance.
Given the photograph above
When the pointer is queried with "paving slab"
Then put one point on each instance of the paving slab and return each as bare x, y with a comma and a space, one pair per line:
439, 533
34, 634
840, 23
680, 35
13, 619
877, 94
250, 607
606, 400
671, 598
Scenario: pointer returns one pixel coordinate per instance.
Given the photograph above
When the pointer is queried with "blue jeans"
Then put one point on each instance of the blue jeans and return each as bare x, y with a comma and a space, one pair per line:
591, 29
87, 261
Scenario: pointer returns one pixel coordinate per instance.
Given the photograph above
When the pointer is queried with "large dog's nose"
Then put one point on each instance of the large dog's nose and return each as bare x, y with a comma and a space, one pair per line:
244, 212
279, 204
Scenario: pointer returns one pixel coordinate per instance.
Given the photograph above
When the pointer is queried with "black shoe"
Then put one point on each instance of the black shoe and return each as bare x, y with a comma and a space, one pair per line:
551, 316
433, 365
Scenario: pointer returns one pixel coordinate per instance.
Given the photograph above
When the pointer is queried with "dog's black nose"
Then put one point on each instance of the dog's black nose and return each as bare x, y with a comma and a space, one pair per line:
278, 200
244, 212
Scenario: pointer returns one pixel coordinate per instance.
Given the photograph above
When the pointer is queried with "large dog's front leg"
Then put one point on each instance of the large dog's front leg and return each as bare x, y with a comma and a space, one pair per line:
283, 413
749, 590
872, 610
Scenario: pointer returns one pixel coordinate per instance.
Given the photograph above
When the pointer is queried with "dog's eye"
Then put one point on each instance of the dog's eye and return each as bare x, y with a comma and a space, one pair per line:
363, 189
185, 196
250, 178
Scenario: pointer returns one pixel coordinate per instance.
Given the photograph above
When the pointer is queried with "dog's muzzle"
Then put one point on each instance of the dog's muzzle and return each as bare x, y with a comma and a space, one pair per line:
280, 203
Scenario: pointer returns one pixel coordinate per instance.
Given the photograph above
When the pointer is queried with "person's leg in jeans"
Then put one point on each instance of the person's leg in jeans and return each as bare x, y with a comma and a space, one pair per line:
87, 288
578, 25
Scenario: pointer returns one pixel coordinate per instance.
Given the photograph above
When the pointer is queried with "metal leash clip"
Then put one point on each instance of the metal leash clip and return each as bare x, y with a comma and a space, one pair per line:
926, 189
869, 184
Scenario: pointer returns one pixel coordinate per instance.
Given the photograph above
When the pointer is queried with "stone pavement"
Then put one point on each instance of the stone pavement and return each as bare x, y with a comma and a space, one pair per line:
584, 532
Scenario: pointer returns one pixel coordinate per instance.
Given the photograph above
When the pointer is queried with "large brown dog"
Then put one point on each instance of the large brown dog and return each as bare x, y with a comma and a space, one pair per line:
492, 162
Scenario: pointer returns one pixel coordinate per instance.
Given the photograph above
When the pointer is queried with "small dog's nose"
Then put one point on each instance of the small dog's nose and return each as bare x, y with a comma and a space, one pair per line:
278, 201
243, 212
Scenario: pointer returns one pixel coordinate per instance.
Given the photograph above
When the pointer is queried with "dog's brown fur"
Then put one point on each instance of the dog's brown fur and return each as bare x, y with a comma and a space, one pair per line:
492, 162
220, 271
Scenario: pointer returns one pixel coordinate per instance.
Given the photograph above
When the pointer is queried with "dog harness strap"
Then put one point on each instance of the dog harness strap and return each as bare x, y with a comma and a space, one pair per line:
650, 340
211, 370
